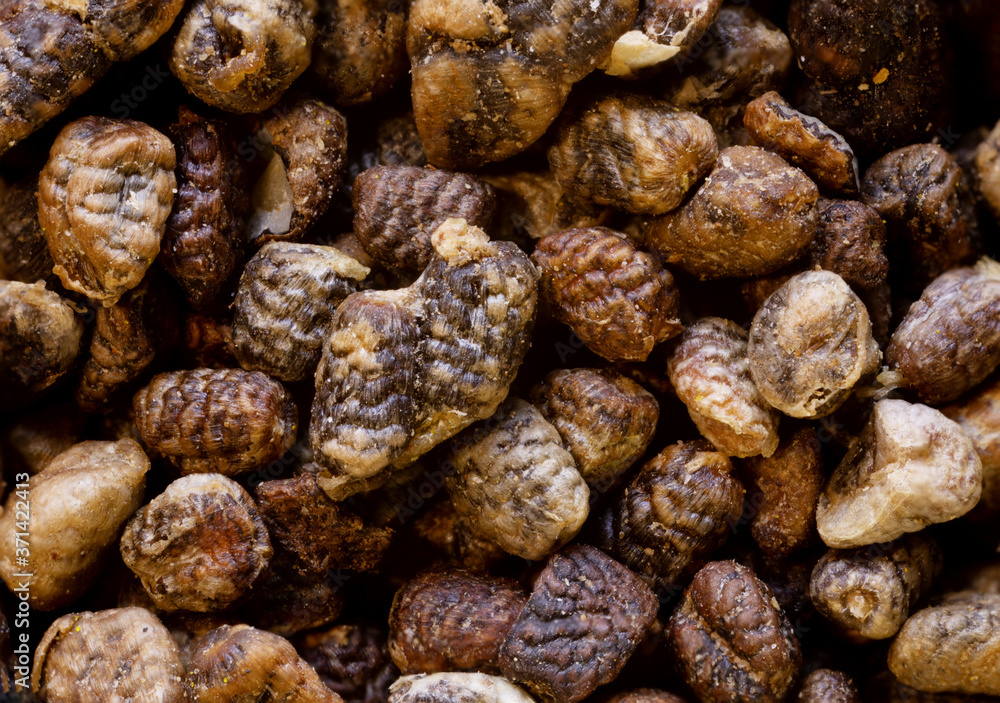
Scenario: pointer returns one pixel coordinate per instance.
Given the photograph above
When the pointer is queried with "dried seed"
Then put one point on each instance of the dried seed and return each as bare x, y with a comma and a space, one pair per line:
459, 687
850, 242
352, 661
828, 686
445, 529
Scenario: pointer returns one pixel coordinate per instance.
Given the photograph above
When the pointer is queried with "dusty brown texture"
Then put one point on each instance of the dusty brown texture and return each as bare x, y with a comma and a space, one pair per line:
620, 301
732, 640
35, 439
24, 253
633, 153
241, 56
803, 141
785, 488
103, 201
751, 216
398, 208
456, 688
924, 197
320, 534
398, 142
678, 509
910, 467
949, 340
203, 240
197, 546
870, 590
352, 660
489, 77
240, 664
879, 68
309, 140
710, 373
452, 621
123, 654
285, 303
216, 420
605, 420
810, 344
286, 604
125, 28
952, 647
850, 241
828, 686
429, 360
207, 342
39, 339
534, 203
121, 349
584, 619
445, 529
646, 695
987, 169
360, 49
75, 509
979, 417
511, 477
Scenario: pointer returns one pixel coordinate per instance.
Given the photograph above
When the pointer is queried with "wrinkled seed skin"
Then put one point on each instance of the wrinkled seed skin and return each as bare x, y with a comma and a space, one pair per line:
103, 201
352, 660
870, 590
851, 242
753, 214
583, 620
216, 420
710, 373
732, 640
78, 505
620, 301
633, 153
676, 511
117, 655
452, 621
828, 686
456, 688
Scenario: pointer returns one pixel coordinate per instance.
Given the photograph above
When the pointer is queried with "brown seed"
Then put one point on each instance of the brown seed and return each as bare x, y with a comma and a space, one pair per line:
923, 196
24, 253
910, 467
285, 303
710, 373
197, 546
533, 202
870, 590
951, 647
489, 78
617, 299
584, 619
678, 509
828, 686
428, 371
605, 420
445, 529
511, 477
979, 417
949, 340
111, 655
208, 342
352, 660
803, 141
468, 688
751, 216
850, 242
240, 57
76, 509
216, 420
316, 532
309, 140
633, 153
103, 201
397, 208
452, 621
810, 344
240, 664
732, 640
397, 142
987, 169
203, 240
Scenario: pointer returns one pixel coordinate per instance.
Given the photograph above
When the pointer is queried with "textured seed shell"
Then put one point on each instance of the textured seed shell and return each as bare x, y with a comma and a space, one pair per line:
103, 200
710, 373
851, 242
828, 686
910, 467
352, 660
456, 688
111, 655
511, 477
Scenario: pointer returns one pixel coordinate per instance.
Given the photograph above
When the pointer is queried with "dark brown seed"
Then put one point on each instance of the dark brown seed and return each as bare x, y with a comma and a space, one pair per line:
445, 529
398, 142
584, 619
286, 604
24, 253
208, 342
216, 420
452, 621
732, 640
850, 242
397, 208
352, 660
828, 686
678, 509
